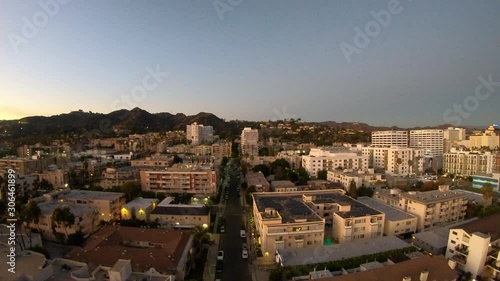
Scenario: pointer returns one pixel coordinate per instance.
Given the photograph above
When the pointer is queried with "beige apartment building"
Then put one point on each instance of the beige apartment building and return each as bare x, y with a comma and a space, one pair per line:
119, 176
154, 161
221, 149
397, 222
193, 179
178, 216
24, 166
107, 204
360, 177
474, 247
390, 138
284, 221
140, 208
467, 163
388, 158
330, 158
55, 177
432, 208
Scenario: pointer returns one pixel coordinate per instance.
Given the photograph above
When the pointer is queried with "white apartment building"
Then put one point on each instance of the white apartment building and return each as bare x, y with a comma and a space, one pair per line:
118, 176
330, 158
360, 177
474, 247
467, 163
185, 178
390, 138
140, 208
388, 158
197, 133
54, 177
432, 141
432, 208
250, 142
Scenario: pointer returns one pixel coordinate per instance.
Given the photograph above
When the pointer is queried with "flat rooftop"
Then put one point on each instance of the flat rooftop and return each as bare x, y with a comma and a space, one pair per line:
357, 209
48, 207
320, 254
437, 266
289, 208
254, 179
391, 213
488, 225
140, 203
438, 237
434, 195
85, 195
175, 209
282, 183
109, 245
27, 263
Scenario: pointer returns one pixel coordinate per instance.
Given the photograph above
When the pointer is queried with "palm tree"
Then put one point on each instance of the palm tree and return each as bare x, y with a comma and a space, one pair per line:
30, 213
410, 165
398, 164
64, 217
487, 192
201, 236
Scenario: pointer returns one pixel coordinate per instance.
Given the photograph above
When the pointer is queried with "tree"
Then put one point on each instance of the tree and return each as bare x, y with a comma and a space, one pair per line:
131, 190
410, 165
177, 159
64, 217
262, 168
264, 151
322, 174
303, 176
353, 190
364, 191
398, 164
487, 192
200, 236
30, 213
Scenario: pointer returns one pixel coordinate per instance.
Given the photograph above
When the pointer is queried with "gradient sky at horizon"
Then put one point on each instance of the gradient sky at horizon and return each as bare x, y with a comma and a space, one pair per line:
265, 60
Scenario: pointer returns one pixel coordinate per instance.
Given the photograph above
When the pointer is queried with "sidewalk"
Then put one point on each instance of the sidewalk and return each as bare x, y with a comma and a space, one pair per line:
209, 271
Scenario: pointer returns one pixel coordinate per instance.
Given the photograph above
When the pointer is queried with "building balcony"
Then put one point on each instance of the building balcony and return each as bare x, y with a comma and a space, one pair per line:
464, 250
494, 264
460, 259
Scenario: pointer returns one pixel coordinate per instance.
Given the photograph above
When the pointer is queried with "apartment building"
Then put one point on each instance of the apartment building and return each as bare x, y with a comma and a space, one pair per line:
395, 160
153, 161
397, 222
185, 178
55, 177
24, 166
139, 208
478, 181
178, 216
431, 141
331, 158
454, 134
118, 176
250, 142
348, 219
283, 186
390, 138
257, 181
284, 221
474, 247
197, 134
432, 208
221, 149
468, 163
488, 139
496, 162
86, 220
360, 177
107, 204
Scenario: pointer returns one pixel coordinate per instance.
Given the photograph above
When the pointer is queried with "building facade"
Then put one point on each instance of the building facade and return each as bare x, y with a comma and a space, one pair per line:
330, 158
193, 179
198, 134
467, 163
345, 177
250, 142
432, 141
390, 138
395, 160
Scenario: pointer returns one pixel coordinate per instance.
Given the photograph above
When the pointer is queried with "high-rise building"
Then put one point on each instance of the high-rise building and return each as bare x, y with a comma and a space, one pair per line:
250, 142
468, 163
431, 141
390, 138
488, 139
395, 160
197, 133
454, 134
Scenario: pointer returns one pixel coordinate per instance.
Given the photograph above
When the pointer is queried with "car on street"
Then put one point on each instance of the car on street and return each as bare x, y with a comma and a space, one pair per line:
220, 255
223, 229
244, 254
243, 234
244, 246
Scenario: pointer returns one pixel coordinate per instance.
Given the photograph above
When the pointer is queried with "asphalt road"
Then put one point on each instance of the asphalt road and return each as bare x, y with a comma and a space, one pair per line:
235, 267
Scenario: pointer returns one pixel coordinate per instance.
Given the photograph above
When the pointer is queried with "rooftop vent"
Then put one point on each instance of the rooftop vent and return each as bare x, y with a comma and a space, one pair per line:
424, 275
407, 278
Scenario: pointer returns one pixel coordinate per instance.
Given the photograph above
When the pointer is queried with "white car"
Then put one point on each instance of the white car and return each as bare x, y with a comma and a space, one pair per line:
220, 255
243, 234
244, 254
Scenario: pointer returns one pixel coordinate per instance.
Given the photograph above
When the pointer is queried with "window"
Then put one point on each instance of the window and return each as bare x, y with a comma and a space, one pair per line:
408, 222
453, 242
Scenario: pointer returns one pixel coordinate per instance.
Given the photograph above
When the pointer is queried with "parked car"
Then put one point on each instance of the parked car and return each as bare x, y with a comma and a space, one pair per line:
219, 266
244, 246
220, 255
244, 254
223, 229
243, 234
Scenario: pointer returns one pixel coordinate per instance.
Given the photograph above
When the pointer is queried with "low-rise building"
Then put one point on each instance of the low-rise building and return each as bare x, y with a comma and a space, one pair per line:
257, 181
475, 247
479, 180
466, 163
360, 177
166, 252
139, 208
192, 179
118, 176
330, 158
177, 216
432, 208
55, 177
397, 222
423, 268
153, 161
283, 186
